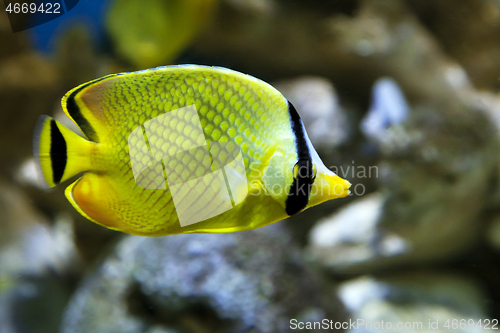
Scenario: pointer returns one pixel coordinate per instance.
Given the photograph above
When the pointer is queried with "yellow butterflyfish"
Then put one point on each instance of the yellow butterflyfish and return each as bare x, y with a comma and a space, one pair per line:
183, 149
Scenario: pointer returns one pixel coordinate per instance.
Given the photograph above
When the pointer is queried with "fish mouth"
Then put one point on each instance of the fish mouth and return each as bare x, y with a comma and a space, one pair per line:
328, 187
340, 186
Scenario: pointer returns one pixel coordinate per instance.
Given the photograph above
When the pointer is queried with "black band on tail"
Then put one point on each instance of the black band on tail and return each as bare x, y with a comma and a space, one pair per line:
58, 152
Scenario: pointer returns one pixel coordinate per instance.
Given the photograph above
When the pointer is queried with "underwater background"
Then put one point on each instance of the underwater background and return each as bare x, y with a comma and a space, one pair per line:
400, 97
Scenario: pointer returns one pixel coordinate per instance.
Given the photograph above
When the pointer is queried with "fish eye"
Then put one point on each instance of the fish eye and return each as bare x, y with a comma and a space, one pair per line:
304, 169
295, 170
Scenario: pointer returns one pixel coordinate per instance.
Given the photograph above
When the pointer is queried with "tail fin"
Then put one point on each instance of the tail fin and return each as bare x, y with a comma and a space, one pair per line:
59, 152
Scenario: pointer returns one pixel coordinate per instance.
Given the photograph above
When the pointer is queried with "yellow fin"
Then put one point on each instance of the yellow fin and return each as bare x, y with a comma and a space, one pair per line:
92, 196
69, 194
60, 153
83, 105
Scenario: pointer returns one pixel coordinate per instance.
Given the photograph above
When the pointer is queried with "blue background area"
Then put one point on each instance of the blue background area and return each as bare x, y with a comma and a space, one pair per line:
90, 13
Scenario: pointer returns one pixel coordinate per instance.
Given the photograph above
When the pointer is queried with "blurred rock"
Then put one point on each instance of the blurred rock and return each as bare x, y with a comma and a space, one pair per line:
445, 154
11, 43
388, 108
28, 243
468, 30
162, 330
435, 180
37, 261
33, 304
351, 240
254, 7
415, 299
315, 98
489, 103
493, 233
486, 101
27, 174
77, 59
351, 43
250, 281
28, 88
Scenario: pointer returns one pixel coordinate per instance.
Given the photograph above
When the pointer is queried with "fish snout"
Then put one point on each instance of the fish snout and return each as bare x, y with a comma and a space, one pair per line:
328, 187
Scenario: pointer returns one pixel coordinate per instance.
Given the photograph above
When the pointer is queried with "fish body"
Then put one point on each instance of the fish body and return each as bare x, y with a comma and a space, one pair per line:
183, 149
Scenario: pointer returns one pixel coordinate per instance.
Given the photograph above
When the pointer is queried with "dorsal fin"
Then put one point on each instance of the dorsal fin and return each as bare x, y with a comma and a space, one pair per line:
81, 112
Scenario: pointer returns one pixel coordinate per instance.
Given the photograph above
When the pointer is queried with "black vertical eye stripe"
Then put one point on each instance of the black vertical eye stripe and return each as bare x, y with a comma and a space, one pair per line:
298, 196
300, 138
